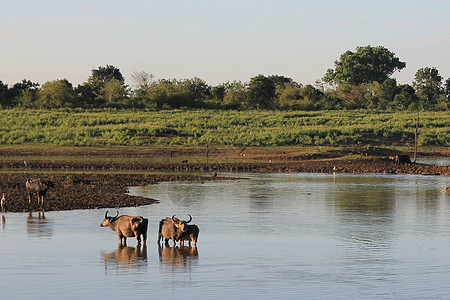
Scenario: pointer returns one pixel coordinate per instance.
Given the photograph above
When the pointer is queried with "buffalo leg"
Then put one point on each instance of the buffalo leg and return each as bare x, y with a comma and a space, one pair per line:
123, 239
144, 236
29, 197
138, 237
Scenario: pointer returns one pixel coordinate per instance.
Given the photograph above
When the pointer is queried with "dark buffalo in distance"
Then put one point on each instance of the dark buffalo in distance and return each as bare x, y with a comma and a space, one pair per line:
172, 229
127, 226
401, 159
38, 187
190, 235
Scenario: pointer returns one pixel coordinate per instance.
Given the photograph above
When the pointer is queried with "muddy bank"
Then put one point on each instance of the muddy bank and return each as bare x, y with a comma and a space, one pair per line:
82, 191
325, 165
92, 184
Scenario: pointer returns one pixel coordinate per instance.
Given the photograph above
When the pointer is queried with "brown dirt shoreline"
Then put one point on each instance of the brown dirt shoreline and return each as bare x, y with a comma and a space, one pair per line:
88, 184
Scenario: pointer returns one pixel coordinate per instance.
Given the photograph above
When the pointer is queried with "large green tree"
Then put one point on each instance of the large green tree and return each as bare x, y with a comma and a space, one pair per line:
235, 95
114, 91
56, 94
365, 65
98, 83
428, 85
261, 92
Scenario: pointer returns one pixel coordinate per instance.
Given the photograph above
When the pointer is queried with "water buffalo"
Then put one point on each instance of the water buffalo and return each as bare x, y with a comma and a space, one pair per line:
3, 202
38, 187
172, 229
191, 235
126, 226
402, 158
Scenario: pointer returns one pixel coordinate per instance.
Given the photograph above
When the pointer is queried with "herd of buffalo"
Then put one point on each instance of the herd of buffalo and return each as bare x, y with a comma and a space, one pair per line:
169, 229
130, 226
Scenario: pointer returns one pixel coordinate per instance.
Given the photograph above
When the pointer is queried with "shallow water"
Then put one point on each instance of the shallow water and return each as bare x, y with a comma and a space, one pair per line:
286, 236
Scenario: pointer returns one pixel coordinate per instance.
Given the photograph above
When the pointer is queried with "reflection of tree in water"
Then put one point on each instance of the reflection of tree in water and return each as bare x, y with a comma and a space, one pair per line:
178, 258
38, 225
262, 197
185, 194
366, 210
125, 257
427, 198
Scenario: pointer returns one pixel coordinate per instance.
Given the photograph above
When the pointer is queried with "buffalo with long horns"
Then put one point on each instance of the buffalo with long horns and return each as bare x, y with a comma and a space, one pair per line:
127, 226
172, 229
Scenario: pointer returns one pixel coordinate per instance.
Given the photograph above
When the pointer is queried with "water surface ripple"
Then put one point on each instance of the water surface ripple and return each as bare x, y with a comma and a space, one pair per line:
289, 236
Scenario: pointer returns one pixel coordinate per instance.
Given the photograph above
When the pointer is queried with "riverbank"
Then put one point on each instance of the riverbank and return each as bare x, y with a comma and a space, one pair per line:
96, 178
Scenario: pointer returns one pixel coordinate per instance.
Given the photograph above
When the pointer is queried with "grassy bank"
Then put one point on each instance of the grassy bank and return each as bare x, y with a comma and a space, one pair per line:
103, 128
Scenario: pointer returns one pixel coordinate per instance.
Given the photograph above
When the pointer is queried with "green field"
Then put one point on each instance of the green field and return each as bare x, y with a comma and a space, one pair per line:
103, 128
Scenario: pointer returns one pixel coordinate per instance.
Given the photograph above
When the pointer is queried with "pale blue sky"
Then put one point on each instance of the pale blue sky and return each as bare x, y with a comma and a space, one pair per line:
218, 41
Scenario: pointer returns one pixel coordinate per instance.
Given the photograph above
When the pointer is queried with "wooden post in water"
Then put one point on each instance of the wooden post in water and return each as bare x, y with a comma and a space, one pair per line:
415, 137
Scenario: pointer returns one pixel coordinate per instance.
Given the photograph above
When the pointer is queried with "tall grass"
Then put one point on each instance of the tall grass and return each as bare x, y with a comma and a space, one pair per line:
101, 128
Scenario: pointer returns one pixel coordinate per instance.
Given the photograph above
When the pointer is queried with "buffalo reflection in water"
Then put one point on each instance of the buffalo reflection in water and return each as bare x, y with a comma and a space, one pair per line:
127, 257
39, 226
3, 224
179, 258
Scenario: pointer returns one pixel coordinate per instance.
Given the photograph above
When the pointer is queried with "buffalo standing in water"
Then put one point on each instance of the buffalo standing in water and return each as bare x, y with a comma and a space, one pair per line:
38, 187
172, 229
127, 226
190, 235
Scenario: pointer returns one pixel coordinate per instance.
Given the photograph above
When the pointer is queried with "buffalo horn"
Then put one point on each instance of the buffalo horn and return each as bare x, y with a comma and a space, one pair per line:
106, 215
117, 214
173, 218
190, 219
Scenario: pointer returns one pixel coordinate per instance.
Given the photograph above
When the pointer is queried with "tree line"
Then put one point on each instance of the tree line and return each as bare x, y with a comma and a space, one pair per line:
361, 79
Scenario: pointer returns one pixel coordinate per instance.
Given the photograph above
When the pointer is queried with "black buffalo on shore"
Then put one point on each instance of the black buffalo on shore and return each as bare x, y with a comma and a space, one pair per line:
401, 159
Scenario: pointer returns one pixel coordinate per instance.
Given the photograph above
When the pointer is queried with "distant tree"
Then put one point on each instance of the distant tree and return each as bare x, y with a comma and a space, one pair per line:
26, 98
196, 89
289, 97
218, 92
366, 65
280, 80
351, 96
4, 97
428, 85
86, 96
170, 93
405, 97
311, 98
24, 93
104, 74
261, 93
100, 77
56, 94
143, 80
235, 95
114, 91
380, 95
447, 89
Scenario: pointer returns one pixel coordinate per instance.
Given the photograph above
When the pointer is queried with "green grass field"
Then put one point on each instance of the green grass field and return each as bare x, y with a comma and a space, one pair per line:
103, 128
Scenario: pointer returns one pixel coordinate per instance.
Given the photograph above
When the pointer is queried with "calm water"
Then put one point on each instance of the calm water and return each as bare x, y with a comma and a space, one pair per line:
289, 236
